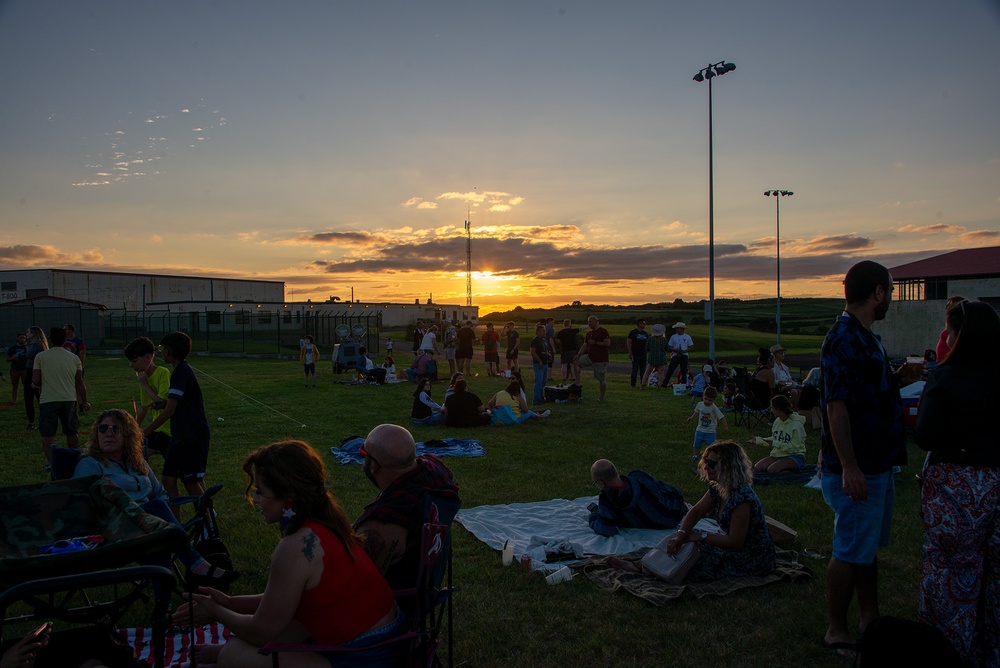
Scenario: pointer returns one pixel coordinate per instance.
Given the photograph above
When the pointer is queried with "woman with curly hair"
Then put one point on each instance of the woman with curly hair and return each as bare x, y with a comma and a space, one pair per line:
116, 452
321, 589
744, 547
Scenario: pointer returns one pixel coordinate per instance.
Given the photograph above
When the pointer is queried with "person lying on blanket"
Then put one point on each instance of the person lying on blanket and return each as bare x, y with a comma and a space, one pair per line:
744, 547
322, 588
116, 452
636, 500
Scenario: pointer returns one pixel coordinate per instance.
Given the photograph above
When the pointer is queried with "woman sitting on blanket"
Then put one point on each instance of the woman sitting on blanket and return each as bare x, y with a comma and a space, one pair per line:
322, 588
744, 547
425, 410
513, 397
788, 439
116, 453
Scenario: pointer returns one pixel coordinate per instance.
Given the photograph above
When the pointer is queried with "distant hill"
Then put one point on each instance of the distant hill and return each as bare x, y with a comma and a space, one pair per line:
798, 315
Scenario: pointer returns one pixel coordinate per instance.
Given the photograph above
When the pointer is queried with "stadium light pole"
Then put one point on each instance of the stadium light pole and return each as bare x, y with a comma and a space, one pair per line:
710, 72
778, 194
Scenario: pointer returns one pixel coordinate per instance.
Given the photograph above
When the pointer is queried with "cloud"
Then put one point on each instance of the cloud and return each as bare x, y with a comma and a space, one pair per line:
34, 255
352, 239
979, 235
498, 201
932, 229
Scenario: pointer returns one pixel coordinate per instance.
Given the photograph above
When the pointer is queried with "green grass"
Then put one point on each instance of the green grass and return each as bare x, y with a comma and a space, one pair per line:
505, 617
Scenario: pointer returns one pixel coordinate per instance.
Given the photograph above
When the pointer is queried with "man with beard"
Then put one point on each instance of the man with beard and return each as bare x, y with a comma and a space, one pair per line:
863, 439
391, 523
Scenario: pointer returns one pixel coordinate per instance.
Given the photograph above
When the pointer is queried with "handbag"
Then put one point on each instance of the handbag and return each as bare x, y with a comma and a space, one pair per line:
671, 568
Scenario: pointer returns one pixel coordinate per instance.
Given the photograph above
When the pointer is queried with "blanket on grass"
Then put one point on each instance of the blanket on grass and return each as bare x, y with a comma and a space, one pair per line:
800, 478
348, 452
559, 525
176, 653
659, 593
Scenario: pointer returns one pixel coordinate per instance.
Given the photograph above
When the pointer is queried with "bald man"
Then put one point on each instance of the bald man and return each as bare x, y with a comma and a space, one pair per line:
391, 523
635, 500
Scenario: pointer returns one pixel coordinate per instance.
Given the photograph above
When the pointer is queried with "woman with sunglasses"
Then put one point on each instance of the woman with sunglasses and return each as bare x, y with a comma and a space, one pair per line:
321, 589
116, 452
744, 547
960, 494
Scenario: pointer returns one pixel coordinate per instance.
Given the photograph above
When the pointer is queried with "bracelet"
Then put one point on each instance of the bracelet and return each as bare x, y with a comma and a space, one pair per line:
682, 531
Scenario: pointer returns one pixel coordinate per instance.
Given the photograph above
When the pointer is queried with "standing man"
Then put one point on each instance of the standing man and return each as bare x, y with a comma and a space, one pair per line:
636, 343
59, 374
74, 343
513, 340
540, 356
594, 354
567, 346
491, 350
680, 345
450, 344
863, 439
550, 336
418, 335
463, 354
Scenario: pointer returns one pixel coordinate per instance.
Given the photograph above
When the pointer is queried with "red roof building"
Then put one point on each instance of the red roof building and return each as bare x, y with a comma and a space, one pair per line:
936, 277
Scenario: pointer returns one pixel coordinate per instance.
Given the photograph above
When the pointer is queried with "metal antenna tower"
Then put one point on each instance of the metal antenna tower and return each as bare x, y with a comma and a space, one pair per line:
468, 257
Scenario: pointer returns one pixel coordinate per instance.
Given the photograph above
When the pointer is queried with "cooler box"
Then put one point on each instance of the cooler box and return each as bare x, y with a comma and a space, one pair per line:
910, 412
559, 392
680, 390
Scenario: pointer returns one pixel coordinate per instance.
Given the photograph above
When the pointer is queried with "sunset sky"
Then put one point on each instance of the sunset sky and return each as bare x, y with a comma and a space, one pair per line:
337, 145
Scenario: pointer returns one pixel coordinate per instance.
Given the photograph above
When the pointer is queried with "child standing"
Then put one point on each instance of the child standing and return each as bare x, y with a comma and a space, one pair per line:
154, 381
788, 439
308, 355
709, 416
187, 453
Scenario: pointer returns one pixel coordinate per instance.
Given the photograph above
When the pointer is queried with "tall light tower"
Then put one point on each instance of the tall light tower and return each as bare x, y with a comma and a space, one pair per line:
778, 194
468, 257
710, 72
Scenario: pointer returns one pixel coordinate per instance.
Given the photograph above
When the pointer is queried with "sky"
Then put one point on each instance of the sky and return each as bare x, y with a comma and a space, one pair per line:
341, 146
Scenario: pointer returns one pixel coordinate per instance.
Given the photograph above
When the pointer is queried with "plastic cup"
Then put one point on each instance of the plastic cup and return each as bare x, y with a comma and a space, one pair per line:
562, 575
508, 552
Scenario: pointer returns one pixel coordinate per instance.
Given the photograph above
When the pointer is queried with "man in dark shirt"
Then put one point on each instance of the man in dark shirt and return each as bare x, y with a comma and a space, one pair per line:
466, 339
594, 354
637, 350
540, 355
863, 439
567, 346
187, 454
636, 500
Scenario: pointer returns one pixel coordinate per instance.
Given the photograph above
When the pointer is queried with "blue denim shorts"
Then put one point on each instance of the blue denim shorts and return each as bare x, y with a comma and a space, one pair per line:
860, 528
703, 438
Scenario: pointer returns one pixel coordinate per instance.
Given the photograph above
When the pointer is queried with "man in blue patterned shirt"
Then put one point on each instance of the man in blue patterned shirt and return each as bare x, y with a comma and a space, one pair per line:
863, 439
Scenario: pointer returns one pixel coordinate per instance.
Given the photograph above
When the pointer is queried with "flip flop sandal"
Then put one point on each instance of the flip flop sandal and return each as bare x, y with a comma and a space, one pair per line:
811, 553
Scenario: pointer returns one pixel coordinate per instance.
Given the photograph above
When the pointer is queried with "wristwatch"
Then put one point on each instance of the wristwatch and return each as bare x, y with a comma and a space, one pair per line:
704, 536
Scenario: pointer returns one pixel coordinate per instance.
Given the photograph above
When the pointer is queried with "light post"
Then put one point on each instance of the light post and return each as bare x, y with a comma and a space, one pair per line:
778, 194
710, 72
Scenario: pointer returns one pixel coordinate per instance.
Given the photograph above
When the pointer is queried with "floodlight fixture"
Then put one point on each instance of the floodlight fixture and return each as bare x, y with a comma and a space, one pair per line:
777, 194
710, 72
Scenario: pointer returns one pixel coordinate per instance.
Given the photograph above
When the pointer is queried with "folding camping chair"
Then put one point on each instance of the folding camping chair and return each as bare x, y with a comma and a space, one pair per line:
749, 410
429, 602
202, 529
46, 564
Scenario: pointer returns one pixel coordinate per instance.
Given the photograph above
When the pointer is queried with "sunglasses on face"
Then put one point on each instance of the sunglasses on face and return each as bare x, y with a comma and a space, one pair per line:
364, 453
115, 428
711, 463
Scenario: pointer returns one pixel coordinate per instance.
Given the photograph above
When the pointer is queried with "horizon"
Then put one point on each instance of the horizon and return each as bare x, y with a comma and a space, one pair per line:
338, 147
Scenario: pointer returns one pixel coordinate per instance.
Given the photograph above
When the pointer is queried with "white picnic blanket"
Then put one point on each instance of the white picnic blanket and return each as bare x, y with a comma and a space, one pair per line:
533, 527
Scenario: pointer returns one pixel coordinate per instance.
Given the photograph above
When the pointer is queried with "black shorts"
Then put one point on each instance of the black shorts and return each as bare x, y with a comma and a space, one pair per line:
493, 356
186, 461
512, 353
51, 413
158, 442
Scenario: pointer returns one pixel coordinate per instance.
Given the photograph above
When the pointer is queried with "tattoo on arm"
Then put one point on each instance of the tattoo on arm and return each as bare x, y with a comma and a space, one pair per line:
379, 549
309, 543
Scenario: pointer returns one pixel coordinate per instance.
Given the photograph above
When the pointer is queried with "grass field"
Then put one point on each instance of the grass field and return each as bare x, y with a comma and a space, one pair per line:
505, 617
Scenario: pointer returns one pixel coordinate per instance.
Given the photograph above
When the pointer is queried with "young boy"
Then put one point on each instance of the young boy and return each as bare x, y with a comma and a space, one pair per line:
709, 416
187, 453
308, 354
700, 382
154, 383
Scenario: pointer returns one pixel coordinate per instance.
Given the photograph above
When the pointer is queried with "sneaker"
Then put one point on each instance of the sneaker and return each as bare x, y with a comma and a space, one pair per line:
546, 413
31, 426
